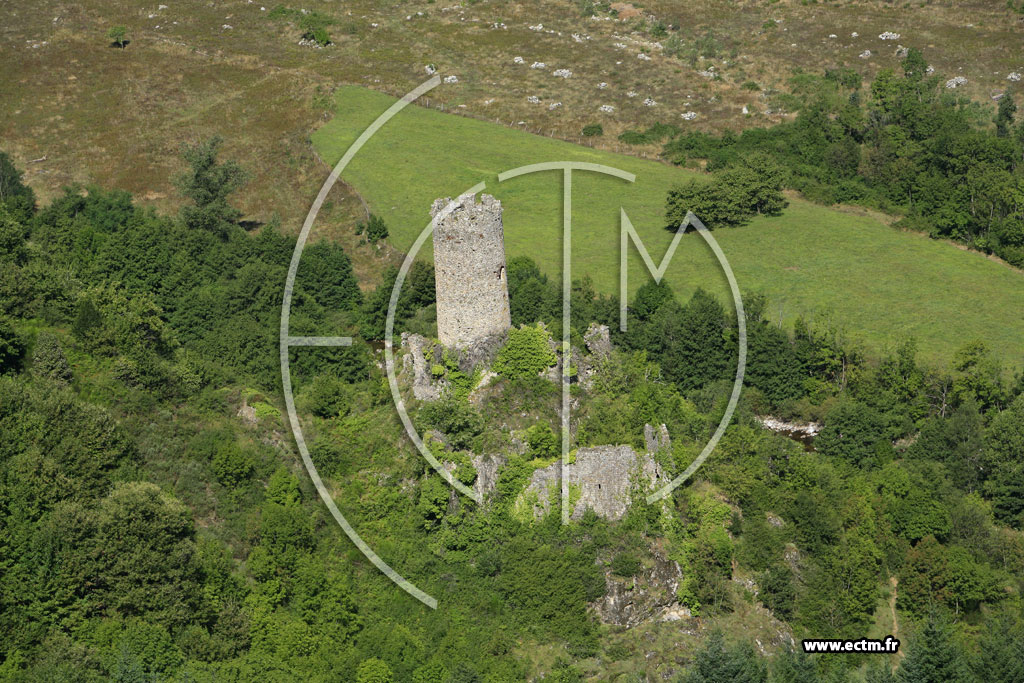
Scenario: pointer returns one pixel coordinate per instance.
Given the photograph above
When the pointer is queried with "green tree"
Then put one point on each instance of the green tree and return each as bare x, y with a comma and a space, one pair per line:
791, 666
432, 672
208, 184
231, 464
15, 196
717, 662
325, 273
934, 657
689, 342
1004, 116
978, 376
997, 657
374, 228
48, 359
852, 432
12, 346
118, 34
542, 442
283, 488
373, 671
1004, 444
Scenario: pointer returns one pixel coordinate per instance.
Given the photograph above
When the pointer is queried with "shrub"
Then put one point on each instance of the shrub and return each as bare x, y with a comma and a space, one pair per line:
633, 137
230, 464
593, 130
375, 229
319, 36
48, 359
526, 354
456, 419
542, 442
329, 397
12, 348
625, 564
735, 194
118, 35
15, 196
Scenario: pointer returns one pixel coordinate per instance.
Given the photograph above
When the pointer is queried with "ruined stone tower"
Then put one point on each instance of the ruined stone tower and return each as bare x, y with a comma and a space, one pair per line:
469, 264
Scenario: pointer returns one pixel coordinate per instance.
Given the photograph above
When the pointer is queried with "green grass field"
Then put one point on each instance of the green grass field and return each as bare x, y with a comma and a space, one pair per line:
880, 284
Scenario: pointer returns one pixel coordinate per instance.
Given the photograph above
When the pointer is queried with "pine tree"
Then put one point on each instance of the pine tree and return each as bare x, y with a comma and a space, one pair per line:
934, 657
791, 666
48, 359
719, 663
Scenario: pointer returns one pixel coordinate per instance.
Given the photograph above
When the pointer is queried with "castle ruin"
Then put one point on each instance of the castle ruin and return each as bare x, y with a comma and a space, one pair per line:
469, 271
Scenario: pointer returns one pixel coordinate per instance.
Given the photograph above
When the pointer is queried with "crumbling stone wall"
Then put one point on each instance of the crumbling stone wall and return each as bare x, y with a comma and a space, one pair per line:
469, 268
603, 477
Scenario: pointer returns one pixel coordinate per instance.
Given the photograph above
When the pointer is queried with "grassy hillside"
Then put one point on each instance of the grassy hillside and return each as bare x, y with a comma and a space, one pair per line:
881, 284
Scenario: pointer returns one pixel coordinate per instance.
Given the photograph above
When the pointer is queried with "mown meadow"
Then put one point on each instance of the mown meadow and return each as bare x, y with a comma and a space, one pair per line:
818, 262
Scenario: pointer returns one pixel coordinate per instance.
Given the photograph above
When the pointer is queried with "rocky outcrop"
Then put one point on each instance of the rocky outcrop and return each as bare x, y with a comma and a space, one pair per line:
418, 361
599, 347
651, 594
598, 340
487, 469
479, 352
601, 478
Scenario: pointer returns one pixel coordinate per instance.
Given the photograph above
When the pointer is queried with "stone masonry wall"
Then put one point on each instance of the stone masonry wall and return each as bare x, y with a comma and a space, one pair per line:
469, 263
603, 476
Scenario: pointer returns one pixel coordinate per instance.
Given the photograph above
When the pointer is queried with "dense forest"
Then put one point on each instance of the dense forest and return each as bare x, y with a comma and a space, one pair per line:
155, 523
909, 145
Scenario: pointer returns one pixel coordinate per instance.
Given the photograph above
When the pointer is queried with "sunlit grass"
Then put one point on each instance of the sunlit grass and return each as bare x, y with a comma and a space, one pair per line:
881, 284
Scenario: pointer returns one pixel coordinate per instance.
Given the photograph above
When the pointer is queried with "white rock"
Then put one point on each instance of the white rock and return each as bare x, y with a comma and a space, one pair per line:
554, 105
745, 110
451, 79
562, 73
956, 82
602, 85
643, 57
538, 65
632, 93
691, 115
854, 35
606, 109
533, 99
865, 54
1013, 76
518, 60
888, 35
430, 69
537, 27
648, 102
